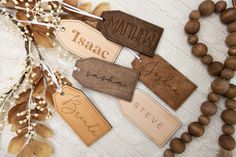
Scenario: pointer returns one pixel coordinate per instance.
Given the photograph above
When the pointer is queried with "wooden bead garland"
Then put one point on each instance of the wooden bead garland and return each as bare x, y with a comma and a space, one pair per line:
220, 86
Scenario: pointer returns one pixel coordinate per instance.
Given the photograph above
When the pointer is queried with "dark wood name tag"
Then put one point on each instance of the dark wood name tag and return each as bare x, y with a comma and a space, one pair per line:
106, 77
164, 80
130, 31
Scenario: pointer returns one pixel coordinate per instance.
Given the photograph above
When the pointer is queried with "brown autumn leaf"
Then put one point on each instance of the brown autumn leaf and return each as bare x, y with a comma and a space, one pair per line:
10, 4
40, 28
42, 39
43, 131
41, 114
85, 6
12, 114
39, 88
40, 149
20, 15
25, 152
16, 144
23, 97
71, 2
17, 126
101, 8
35, 75
48, 94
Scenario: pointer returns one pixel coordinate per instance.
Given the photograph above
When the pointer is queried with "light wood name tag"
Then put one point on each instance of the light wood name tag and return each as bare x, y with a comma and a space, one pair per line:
82, 116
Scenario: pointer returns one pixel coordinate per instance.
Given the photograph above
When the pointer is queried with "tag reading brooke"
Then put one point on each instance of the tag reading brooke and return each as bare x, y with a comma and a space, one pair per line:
85, 41
82, 116
164, 80
130, 31
106, 77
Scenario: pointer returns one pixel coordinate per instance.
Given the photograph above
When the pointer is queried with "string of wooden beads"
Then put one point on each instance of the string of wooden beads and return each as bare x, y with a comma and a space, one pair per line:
220, 86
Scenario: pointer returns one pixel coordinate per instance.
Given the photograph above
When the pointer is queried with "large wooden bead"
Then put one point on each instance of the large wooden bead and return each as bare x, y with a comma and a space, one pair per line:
208, 108
221, 6
215, 68
207, 7
231, 27
230, 104
192, 27
192, 39
228, 129
213, 97
228, 16
199, 50
227, 74
186, 137
204, 120
231, 93
231, 39
194, 15
196, 129
207, 59
168, 153
227, 142
177, 145
230, 62
220, 86
229, 117
232, 51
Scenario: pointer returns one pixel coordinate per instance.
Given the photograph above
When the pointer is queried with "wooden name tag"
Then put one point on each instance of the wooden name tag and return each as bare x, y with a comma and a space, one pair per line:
130, 31
150, 117
85, 41
164, 80
82, 116
106, 77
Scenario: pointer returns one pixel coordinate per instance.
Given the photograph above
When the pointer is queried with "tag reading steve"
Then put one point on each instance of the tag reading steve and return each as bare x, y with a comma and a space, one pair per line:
85, 41
130, 31
82, 116
164, 80
106, 77
150, 117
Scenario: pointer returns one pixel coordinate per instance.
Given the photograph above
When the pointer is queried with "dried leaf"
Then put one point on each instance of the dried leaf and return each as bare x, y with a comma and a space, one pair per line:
71, 2
48, 94
85, 6
15, 127
43, 131
39, 88
41, 114
20, 15
12, 114
16, 144
23, 97
25, 152
36, 75
40, 149
40, 28
42, 39
10, 5
101, 8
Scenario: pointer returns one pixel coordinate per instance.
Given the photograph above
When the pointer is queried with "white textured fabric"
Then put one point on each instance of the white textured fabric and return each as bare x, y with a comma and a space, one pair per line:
125, 140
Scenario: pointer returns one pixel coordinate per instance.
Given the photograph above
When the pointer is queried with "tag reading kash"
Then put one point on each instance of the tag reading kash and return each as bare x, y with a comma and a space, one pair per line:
85, 41
164, 80
106, 77
150, 117
130, 31
82, 116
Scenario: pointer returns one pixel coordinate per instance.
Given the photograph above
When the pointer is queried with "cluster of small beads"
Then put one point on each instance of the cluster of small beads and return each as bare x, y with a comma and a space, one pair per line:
220, 86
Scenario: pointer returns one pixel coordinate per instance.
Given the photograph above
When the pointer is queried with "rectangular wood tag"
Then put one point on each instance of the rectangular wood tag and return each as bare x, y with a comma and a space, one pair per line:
164, 80
85, 41
150, 117
130, 31
106, 77
81, 115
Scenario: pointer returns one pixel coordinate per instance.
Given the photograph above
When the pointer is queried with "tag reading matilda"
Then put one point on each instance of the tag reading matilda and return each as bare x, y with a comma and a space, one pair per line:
150, 117
130, 31
85, 41
106, 77
82, 116
164, 80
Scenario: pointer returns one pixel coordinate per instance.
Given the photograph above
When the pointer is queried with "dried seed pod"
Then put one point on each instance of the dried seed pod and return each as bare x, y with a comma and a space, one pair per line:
231, 27
228, 129
177, 145
220, 86
230, 62
232, 51
230, 104
194, 15
207, 7
192, 27
186, 137
231, 93
199, 50
227, 74
168, 153
192, 39
220, 6
228, 15
196, 129
227, 142
204, 120
207, 59
215, 68
213, 97
231, 39
229, 116
208, 108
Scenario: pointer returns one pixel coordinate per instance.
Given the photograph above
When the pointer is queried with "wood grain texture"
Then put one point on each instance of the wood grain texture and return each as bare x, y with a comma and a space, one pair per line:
130, 31
164, 80
81, 115
106, 77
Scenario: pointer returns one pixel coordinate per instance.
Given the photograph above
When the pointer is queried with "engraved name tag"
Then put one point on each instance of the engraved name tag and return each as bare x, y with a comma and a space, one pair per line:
85, 41
150, 117
82, 116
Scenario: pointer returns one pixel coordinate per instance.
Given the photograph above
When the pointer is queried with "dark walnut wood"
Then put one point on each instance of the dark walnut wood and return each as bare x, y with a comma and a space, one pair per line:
130, 31
164, 80
106, 77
